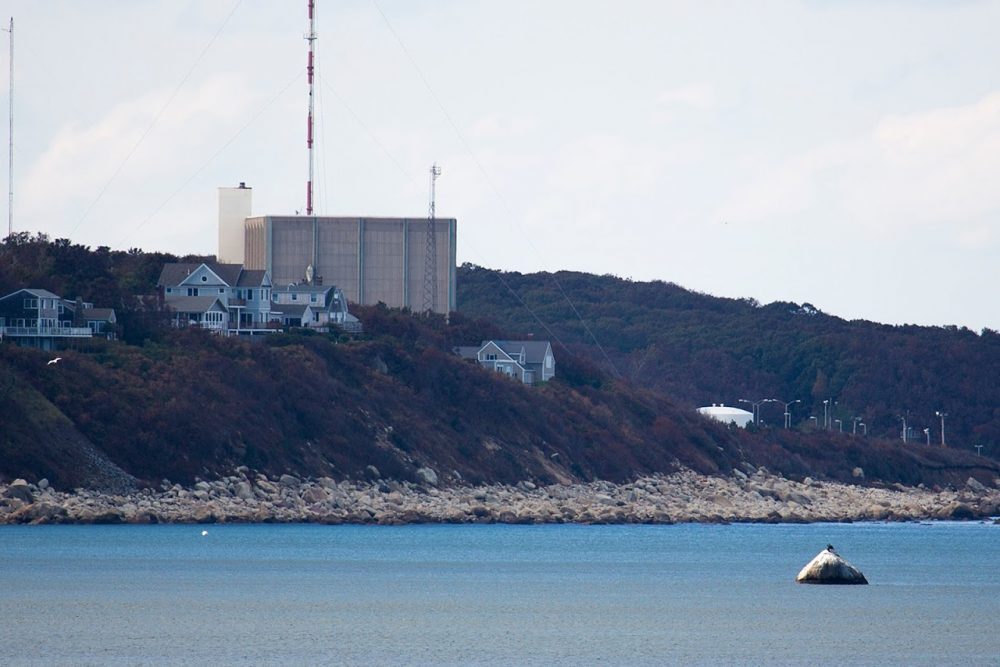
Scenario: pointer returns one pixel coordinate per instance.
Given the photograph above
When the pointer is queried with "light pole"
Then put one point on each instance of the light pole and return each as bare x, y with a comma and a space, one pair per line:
755, 405
864, 428
904, 429
826, 405
979, 449
788, 414
942, 415
854, 431
815, 421
839, 424
927, 432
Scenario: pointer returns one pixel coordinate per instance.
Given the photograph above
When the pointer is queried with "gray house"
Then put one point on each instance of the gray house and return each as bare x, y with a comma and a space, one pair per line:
39, 318
312, 306
222, 297
528, 361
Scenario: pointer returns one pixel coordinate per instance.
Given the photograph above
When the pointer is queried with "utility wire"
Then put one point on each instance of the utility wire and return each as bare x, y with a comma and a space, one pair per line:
489, 181
205, 164
156, 118
409, 176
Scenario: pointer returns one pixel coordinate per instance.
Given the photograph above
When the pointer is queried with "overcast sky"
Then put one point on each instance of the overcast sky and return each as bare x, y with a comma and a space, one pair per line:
845, 154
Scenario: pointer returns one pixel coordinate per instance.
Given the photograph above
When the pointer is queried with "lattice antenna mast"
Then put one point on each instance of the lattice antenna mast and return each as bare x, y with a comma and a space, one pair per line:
311, 38
10, 165
430, 258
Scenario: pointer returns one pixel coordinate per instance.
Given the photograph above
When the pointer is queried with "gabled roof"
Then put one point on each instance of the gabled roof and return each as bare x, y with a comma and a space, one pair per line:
303, 289
534, 350
194, 304
174, 273
37, 293
250, 277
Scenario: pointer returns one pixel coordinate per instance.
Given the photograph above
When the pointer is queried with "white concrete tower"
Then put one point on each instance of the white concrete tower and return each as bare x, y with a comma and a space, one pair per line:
234, 209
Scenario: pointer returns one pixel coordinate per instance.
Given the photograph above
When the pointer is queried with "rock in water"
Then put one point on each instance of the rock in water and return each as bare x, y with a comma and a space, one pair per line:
829, 568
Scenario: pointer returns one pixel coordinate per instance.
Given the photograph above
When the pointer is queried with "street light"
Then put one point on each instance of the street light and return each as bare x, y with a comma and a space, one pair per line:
904, 429
854, 431
864, 428
840, 424
826, 403
755, 406
815, 421
927, 432
942, 415
788, 414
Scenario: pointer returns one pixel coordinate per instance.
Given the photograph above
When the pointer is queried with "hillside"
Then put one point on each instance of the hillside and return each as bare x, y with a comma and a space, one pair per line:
700, 349
185, 404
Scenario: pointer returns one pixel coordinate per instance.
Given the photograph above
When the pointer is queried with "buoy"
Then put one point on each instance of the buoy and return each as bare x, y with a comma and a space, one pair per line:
204, 533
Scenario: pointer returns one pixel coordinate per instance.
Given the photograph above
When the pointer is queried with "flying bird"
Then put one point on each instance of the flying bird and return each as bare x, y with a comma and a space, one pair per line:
54, 361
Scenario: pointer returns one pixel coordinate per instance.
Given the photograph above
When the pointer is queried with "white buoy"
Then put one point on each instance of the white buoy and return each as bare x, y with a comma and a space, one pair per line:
204, 533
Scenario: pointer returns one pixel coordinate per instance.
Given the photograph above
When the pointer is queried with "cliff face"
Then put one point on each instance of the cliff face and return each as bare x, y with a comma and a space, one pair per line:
195, 405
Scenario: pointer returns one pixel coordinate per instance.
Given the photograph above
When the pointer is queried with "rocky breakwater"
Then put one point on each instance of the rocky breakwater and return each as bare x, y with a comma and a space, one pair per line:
748, 495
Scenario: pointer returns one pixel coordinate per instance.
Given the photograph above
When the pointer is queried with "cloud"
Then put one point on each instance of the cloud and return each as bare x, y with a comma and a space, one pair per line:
699, 96
80, 160
937, 168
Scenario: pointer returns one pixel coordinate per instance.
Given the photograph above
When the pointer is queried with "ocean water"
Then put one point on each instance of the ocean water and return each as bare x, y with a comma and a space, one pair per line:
496, 595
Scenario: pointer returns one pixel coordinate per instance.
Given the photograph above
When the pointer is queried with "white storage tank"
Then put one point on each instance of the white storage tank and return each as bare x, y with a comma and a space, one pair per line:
727, 414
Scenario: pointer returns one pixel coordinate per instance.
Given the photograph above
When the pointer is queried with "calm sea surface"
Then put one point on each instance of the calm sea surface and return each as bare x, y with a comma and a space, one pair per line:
496, 595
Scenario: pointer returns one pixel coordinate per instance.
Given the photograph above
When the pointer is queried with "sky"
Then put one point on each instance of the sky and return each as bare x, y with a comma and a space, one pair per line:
844, 154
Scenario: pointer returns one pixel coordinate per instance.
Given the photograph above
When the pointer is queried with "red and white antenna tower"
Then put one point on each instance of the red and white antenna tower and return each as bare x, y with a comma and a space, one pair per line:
311, 38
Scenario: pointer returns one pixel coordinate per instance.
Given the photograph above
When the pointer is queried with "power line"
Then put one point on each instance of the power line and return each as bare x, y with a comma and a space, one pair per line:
156, 118
200, 169
489, 181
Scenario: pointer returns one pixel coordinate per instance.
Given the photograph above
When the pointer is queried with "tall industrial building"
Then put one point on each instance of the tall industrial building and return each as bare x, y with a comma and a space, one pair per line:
370, 259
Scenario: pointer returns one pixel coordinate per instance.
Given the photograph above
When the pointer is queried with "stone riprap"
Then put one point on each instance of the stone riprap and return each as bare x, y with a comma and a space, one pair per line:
684, 496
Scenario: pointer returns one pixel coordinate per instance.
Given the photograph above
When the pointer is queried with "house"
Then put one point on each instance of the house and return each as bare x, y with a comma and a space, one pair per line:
312, 306
225, 298
528, 361
39, 318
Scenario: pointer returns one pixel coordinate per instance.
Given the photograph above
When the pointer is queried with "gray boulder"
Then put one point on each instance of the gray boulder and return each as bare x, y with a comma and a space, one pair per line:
427, 476
975, 485
829, 568
20, 490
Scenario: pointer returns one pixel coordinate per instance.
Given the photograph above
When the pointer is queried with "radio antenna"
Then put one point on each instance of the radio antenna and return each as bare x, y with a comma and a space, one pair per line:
311, 38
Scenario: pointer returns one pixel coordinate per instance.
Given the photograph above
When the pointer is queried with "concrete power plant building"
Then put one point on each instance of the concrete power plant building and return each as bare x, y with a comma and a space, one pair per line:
371, 259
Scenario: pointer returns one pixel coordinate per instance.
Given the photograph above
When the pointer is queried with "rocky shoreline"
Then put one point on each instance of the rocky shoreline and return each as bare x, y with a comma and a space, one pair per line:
685, 496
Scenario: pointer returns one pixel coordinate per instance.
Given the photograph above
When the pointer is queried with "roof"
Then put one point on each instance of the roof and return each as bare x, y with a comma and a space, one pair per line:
291, 309
194, 304
467, 351
534, 350
38, 293
302, 289
174, 273
250, 277
106, 314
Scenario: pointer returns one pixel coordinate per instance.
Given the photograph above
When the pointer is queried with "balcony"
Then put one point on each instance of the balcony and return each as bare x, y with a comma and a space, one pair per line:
46, 332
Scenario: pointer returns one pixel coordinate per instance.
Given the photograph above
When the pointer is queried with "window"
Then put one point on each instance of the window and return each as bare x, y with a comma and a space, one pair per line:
192, 291
312, 298
249, 295
295, 297
491, 357
548, 361
31, 303
62, 309
222, 290
204, 279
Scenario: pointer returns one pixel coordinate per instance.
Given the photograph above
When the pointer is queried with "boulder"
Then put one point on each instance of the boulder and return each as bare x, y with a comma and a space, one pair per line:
427, 476
975, 485
20, 490
289, 481
829, 568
